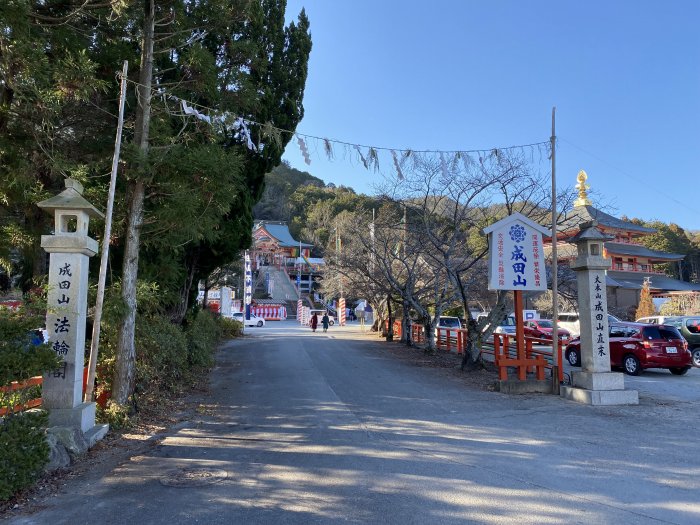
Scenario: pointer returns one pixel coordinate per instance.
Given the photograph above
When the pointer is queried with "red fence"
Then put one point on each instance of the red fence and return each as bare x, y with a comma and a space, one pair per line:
36, 402
537, 355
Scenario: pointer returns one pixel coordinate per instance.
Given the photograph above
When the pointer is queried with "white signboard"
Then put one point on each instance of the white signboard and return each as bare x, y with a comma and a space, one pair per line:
516, 258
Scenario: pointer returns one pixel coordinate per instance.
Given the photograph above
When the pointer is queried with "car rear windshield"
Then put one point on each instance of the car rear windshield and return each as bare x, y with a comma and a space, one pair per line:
450, 322
693, 325
661, 332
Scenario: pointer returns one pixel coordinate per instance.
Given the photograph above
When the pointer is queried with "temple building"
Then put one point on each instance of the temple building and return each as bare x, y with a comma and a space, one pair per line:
632, 262
275, 248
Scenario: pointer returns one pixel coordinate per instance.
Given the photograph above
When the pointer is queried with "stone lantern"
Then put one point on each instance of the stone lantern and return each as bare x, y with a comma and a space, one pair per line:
595, 384
69, 251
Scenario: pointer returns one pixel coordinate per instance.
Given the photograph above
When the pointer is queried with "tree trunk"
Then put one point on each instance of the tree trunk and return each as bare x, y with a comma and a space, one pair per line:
390, 321
406, 336
124, 370
180, 311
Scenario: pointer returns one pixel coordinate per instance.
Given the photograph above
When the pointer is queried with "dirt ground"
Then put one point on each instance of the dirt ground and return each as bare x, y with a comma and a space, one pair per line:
159, 415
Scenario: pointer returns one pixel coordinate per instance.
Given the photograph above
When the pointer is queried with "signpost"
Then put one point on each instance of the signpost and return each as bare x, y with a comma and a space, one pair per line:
516, 262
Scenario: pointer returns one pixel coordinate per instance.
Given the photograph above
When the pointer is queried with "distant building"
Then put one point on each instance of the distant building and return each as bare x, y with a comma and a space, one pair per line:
273, 245
632, 262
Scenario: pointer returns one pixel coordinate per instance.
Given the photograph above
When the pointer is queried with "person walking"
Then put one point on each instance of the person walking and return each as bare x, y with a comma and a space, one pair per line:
325, 322
314, 322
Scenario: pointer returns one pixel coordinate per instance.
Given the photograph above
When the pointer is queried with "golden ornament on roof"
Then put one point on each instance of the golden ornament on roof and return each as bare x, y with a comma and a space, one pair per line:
582, 188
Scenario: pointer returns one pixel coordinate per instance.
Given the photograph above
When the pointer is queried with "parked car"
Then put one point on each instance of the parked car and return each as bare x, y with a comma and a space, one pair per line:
635, 347
445, 321
570, 321
542, 329
689, 327
657, 319
253, 321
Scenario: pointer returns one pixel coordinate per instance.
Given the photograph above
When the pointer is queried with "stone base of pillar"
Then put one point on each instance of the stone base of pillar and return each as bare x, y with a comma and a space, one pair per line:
96, 433
81, 416
600, 397
599, 388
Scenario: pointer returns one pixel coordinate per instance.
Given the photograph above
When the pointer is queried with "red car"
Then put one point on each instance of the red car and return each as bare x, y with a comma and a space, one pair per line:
635, 346
542, 329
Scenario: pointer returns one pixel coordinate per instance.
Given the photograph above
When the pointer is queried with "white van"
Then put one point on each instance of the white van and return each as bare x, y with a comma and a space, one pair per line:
570, 321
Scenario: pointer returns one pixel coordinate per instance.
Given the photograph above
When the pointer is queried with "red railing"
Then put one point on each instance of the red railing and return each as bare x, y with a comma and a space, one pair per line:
451, 339
36, 402
21, 385
534, 359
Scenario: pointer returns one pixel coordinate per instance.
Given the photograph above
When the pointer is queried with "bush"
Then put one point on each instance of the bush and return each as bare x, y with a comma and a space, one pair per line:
118, 416
23, 450
161, 354
230, 328
23, 447
203, 335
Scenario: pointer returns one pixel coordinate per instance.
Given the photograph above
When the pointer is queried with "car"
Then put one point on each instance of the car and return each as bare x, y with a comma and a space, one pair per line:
689, 327
542, 329
446, 321
657, 319
635, 347
253, 321
570, 321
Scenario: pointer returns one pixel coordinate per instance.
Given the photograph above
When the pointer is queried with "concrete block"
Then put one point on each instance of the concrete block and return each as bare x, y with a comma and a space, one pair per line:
82, 417
95, 434
598, 380
600, 397
529, 386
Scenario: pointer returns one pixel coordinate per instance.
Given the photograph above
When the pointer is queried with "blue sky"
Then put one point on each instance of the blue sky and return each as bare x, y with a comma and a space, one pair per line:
461, 75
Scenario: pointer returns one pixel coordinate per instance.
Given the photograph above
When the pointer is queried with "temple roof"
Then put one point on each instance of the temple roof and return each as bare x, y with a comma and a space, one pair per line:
635, 250
280, 232
635, 280
588, 212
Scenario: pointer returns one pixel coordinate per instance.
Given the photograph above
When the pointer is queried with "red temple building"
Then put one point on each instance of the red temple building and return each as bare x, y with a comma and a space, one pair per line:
632, 262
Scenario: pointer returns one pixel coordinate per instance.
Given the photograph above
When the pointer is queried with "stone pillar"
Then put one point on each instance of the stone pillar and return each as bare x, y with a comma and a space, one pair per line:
595, 384
225, 309
69, 251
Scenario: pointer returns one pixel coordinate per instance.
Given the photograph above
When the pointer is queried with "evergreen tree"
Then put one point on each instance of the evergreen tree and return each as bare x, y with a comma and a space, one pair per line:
646, 305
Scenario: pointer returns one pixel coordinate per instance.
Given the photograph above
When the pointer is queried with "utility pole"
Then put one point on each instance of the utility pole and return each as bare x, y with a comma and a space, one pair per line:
95, 343
555, 278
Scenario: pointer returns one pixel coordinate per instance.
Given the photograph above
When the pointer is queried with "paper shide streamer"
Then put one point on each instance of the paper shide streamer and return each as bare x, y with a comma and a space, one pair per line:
304, 150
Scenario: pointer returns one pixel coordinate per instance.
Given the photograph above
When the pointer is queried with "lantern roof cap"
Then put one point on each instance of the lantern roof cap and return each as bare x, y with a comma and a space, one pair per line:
70, 199
588, 231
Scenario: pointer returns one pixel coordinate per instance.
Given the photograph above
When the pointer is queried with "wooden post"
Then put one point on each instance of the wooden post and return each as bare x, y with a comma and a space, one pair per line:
95, 342
519, 331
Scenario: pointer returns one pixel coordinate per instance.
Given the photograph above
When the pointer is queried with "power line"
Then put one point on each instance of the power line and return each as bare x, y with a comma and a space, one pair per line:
213, 111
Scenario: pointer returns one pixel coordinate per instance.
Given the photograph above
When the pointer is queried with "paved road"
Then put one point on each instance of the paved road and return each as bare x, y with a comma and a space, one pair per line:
323, 428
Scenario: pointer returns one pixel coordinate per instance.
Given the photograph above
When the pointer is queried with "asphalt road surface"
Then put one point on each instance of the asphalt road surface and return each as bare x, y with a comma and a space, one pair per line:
305, 427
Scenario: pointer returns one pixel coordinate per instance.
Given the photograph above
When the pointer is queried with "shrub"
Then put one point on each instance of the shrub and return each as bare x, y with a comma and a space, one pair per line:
230, 328
118, 416
23, 447
161, 354
203, 334
23, 450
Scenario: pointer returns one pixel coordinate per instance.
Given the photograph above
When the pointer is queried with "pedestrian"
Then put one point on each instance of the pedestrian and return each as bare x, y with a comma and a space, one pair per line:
314, 322
325, 321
